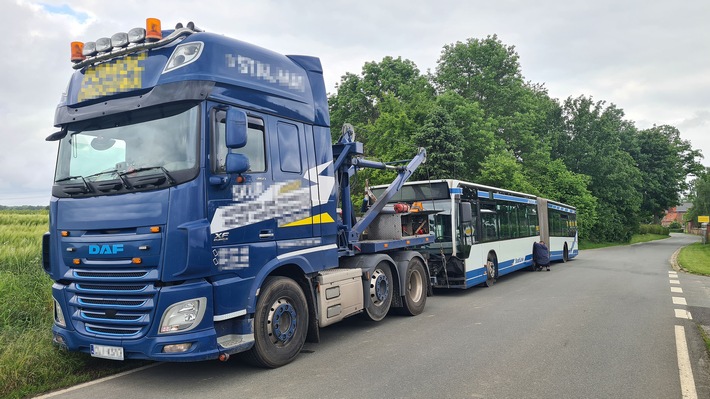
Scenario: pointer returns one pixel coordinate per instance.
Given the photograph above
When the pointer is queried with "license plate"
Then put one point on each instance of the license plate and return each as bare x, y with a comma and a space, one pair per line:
107, 352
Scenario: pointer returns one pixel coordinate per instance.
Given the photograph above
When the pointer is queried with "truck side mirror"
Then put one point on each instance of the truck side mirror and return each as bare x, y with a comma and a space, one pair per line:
236, 128
237, 163
465, 213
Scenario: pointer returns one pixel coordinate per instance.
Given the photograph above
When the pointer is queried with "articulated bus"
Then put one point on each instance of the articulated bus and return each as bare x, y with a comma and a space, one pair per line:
484, 232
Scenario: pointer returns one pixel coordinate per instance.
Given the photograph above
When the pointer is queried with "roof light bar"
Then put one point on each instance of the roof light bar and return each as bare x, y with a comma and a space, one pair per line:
136, 40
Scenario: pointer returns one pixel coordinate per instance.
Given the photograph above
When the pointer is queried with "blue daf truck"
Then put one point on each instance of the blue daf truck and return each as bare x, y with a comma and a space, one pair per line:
200, 208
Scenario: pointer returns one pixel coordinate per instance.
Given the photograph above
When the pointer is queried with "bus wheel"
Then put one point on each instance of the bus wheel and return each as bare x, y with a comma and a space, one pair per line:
491, 270
379, 293
414, 288
280, 323
565, 254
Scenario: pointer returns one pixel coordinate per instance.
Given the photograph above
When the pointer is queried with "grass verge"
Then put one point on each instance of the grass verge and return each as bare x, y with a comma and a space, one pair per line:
635, 239
29, 363
695, 258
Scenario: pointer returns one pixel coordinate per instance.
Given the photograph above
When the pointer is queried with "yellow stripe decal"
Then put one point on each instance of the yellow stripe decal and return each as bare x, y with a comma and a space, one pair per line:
318, 219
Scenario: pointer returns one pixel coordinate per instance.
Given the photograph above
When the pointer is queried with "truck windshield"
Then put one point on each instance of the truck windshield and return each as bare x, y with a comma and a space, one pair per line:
136, 150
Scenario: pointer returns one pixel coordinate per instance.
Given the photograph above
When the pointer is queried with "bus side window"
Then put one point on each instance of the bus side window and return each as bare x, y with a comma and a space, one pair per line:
489, 225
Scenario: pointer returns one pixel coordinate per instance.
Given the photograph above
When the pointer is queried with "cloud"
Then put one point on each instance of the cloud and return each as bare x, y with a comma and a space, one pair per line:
648, 58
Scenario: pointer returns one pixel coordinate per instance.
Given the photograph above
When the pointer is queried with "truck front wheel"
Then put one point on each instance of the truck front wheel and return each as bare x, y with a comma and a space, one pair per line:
280, 323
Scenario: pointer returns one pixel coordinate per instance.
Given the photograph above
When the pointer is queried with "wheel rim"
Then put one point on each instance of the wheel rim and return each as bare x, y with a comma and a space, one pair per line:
415, 288
282, 321
490, 268
379, 287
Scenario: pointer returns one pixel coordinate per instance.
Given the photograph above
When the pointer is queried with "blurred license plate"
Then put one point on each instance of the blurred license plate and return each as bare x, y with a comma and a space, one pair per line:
107, 352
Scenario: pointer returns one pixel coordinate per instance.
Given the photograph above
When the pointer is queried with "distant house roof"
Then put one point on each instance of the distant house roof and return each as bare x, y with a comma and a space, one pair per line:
682, 208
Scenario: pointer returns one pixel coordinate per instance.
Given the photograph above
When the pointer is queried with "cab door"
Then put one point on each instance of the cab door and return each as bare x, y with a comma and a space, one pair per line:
240, 208
291, 175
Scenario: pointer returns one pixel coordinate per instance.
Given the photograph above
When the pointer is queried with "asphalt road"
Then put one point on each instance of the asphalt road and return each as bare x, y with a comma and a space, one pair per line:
600, 326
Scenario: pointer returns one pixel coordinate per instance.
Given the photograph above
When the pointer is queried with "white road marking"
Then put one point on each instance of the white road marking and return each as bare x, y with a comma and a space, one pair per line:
683, 314
675, 281
100, 380
687, 382
678, 300
677, 290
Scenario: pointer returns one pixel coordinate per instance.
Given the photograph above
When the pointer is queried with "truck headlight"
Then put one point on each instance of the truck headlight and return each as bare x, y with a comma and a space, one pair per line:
59, 315
183, 316
183, 54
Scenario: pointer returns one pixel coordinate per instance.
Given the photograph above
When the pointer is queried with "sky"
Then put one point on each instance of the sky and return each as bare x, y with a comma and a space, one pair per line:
650, 58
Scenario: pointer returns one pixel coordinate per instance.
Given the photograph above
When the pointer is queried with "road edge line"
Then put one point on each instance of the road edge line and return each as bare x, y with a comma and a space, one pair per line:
100, 380
685, 370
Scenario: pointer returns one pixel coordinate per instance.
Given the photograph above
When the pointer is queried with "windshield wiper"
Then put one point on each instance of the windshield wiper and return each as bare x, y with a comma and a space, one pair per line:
87, 187
119, 174
162, 169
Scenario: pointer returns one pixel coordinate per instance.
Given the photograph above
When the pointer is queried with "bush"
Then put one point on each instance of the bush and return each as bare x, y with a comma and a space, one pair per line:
653, 229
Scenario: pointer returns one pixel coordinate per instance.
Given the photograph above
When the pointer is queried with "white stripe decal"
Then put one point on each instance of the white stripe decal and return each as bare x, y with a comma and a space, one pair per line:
228, 316
306, 251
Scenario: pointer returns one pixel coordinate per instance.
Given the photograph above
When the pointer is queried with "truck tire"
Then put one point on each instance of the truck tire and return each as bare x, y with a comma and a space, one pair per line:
415, 288
378, 293
280, 323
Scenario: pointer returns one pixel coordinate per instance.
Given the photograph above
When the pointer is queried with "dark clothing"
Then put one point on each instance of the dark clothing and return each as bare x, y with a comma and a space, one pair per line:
541, 255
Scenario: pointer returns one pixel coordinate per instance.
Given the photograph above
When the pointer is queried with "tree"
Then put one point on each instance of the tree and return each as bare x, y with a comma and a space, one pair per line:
700, 196
442, 141
590, 144
665, 161
484, 71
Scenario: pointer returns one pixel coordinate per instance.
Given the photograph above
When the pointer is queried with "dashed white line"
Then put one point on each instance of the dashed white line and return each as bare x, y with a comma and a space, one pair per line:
677, 290
677, 300
675, 281
687, 382
683, 314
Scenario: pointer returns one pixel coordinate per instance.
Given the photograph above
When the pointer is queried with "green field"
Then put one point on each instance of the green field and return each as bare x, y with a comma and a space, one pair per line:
29, 363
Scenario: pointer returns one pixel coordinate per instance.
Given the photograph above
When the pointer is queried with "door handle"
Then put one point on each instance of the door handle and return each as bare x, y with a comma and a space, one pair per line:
266, 234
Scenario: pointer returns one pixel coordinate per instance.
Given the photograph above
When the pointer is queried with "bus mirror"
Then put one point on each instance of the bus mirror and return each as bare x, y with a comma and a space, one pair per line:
465, 213
236, 129
237, 163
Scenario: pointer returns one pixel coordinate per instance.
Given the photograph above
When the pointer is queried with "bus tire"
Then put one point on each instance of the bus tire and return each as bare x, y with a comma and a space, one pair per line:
280, 323
491, 269
565, 254
378, 293
415, 288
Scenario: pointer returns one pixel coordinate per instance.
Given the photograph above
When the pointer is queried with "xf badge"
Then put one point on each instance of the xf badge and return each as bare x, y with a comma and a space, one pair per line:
223, 236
